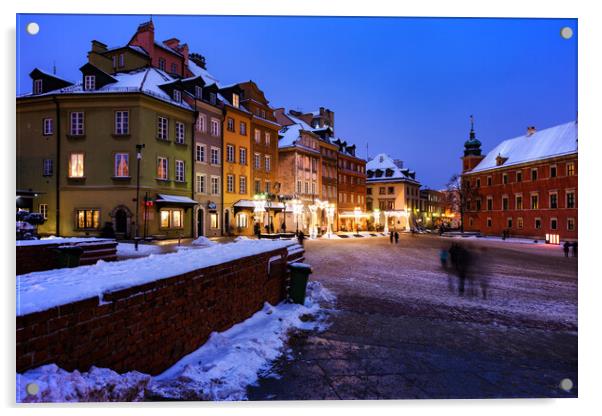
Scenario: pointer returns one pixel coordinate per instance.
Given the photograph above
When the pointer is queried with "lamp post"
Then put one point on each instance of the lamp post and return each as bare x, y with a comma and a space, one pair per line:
330, 217
139, 148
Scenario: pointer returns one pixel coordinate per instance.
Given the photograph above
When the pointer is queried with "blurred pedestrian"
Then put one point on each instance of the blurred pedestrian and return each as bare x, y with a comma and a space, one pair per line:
566, 247
391, 236
283, 226
574, 246
396, 237
301, 237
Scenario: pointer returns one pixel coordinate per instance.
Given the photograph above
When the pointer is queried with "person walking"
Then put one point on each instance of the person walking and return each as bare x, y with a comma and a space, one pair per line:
574, 246
391, 237
283, 226
396, 237
301, 237
566, 247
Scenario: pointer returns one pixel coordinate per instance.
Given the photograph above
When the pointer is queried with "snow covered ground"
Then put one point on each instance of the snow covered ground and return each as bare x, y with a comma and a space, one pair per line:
221, 369
129, 250
39, 291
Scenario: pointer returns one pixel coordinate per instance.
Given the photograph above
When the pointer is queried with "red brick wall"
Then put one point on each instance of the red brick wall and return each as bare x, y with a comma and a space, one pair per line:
544, 185
149, 327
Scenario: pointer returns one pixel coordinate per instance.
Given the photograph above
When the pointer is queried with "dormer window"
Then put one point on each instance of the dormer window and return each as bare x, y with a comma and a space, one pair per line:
37, 86
177, 95
235, 100
89, 82
198, 92
212, 98
121, 60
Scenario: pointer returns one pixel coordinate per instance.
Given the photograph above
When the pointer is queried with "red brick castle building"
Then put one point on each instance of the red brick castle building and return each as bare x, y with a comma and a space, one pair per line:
526, 186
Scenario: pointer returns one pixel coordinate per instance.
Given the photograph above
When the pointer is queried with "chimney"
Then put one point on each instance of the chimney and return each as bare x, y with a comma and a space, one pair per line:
98, 47
185, 51
172, 43
531, 131
145, 37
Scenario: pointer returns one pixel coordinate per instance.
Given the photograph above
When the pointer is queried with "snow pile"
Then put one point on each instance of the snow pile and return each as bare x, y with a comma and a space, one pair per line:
129, 249
241, 238
97, 385
39, 291
221, 369
203, 241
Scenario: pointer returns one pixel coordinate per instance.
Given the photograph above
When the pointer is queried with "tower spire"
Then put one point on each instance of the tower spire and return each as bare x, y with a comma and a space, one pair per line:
472, 133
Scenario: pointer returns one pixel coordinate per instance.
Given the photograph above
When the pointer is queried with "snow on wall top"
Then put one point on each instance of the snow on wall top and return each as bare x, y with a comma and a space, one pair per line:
39, 291
554, 141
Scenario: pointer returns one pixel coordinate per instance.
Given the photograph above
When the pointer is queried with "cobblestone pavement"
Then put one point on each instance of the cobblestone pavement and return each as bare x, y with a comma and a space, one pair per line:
400, 331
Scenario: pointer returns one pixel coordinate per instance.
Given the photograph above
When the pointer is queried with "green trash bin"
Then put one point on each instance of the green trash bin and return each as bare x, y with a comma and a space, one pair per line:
298, 284
68, 256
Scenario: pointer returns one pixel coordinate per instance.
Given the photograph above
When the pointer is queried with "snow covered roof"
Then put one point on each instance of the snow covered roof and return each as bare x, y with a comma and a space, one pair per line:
133, 47
146, 80
382, 168
203, 73
552, 142
175, 199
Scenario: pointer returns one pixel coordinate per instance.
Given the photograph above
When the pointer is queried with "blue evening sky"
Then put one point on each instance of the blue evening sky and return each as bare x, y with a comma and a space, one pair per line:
406, 86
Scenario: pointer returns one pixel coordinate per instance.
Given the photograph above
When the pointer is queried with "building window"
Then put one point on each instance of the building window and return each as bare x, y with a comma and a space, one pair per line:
37, 86
306, 188
381, 190
554, 200
257, 136
553, 171
162, 128
201, 123
43, 209
47, 126
171, 218
174, 68
242, 220
538, 223
478, 183
257, 186
534, 174
122, 161
230, 153
489, 203
570, 169
505, 203
298, 187
180, 132
368, 191
162, 64
489, 222
570, 224
518, 202
242, 155
478, 204
213, 220
268, 138
88, 219
180, 175
553, 223
534, 201
198, 92
76, 165
89, 82
313, 190
268, 187
212, 98
519, 176
201, 153
215, 156
257, 160
230, 124
122, 122
215, 185
488, 180
242, 184
519, 223
201, 184
505, 178
508, 222
122, 60
268, 163
76, 127
215, 131
177, 96
570, 199
230, 184
162, 166
243, 128
235, 100
47, 169
391, 190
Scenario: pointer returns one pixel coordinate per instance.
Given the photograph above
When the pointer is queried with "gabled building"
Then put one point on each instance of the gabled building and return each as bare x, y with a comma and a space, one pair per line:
393, 192
526, 186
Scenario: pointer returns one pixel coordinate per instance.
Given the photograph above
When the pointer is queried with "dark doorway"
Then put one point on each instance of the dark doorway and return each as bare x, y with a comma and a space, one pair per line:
200, 222
121, 222
227, 222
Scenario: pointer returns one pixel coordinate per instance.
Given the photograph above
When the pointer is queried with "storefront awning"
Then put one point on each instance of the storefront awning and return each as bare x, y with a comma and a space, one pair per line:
167, 199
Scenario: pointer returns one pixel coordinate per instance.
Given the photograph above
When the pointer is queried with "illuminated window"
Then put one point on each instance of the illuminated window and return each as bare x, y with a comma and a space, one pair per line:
257, 135
43, 209
171, 218
213, 220
235, 100
268, 138
242, 220
88, 219
176, 216
122, 165
162, 166
570, 169
76, 165
518, 202
534, 201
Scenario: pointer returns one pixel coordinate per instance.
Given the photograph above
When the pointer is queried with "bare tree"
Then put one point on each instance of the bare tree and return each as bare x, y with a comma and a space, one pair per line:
459, 194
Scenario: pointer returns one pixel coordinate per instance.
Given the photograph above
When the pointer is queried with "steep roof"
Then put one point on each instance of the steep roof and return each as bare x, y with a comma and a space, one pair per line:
203, 73
552, 142
389, 171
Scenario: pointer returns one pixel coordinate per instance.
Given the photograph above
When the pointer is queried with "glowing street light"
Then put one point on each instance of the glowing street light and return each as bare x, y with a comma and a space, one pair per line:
330, 217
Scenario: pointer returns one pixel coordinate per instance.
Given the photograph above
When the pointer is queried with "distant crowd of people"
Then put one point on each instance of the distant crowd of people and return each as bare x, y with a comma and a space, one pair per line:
568, 246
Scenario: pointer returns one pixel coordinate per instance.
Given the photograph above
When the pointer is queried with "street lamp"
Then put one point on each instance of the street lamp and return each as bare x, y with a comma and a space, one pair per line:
139, 148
